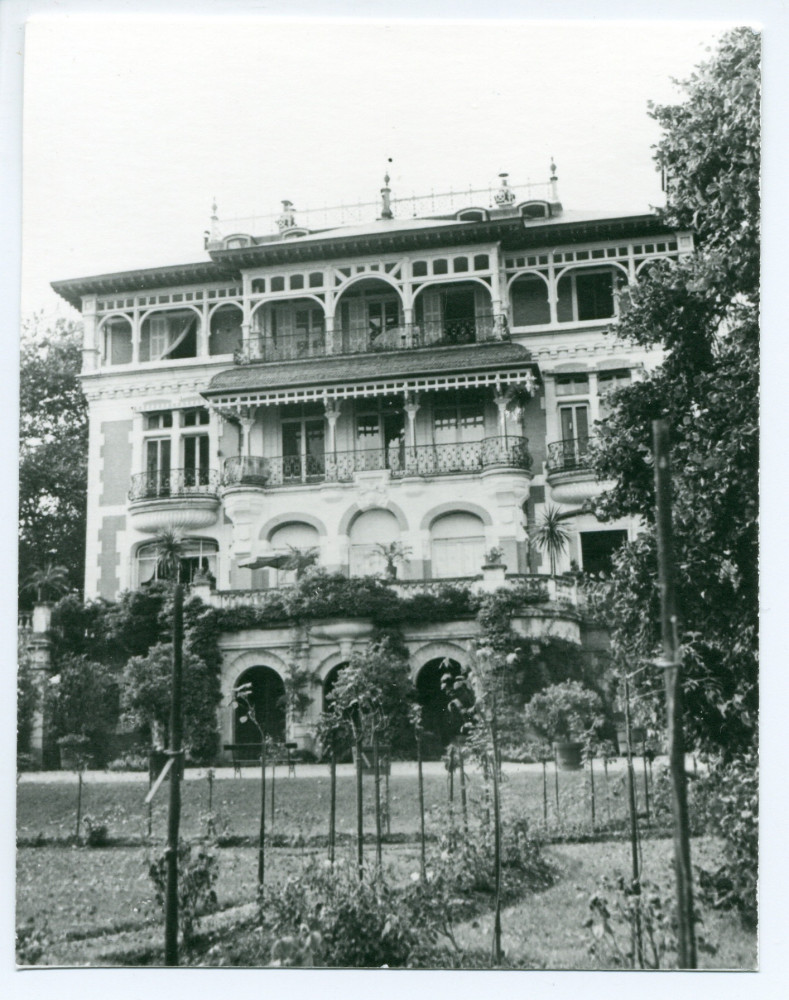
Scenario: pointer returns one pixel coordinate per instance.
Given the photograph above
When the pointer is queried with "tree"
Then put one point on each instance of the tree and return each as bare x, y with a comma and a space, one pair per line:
53, 448
703, 311
145, 698
47, 581
84, 702
551, 535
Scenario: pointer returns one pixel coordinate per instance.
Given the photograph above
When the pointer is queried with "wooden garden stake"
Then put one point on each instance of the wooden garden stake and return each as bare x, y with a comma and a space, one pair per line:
332, 803
262, 830
672, 672
635, 883
646, 785
463, 797
79, 800
174, 815
378, 828
273, 784
420, 779
545, 792
359, 806
591, 787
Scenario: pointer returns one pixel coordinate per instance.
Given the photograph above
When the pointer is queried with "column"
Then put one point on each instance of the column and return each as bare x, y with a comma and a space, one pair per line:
246, 419
332, 407
329, 323
501, 399
135, 333
553, 294
90, 352
411, 406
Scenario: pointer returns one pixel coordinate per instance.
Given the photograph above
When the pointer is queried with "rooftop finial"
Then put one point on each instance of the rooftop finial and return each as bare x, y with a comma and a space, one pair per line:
214, 235
386, 206
554, 179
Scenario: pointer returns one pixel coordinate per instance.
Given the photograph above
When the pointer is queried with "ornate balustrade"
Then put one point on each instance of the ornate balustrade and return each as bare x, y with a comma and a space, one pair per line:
569, 455
342, 466
357, 339
175, 483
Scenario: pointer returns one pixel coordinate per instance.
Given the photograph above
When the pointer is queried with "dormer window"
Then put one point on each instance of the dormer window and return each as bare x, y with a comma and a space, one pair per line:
237, 241
472, 215
535, 210
289, 234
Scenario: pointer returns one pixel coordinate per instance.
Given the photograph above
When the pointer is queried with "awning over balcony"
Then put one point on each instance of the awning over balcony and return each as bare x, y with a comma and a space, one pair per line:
382, 374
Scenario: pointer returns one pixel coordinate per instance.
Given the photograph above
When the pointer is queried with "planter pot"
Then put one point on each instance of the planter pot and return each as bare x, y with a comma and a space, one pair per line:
568, 754
638, 735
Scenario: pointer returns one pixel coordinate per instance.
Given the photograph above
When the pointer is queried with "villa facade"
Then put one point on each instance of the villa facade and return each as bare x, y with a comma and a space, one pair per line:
426, 381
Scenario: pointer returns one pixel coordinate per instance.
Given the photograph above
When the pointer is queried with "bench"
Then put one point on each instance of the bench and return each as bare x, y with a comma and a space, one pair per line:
249, 753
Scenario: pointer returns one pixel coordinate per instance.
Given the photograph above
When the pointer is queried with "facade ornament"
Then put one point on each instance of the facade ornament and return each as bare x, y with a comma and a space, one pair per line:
505, 196
288, 218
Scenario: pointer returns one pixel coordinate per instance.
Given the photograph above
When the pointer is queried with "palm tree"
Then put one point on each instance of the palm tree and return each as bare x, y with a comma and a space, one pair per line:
300, 560
169, 550
551, 536
49, 579
395, 554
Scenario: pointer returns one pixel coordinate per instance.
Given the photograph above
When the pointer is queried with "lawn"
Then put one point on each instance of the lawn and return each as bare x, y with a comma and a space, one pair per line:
48, 810
86, 895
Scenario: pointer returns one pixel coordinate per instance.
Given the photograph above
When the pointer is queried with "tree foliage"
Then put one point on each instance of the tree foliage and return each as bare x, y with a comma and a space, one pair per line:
53, 450
703, 312
146, 683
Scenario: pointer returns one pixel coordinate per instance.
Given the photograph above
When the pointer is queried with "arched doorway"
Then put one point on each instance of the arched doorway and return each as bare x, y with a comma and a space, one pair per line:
328, 684
268, 700
439, 718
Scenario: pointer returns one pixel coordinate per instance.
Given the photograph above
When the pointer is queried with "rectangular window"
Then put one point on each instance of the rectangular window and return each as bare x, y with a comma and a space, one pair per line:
595, 295
196, 463
195, 418
158, 421
572, 385
159, 328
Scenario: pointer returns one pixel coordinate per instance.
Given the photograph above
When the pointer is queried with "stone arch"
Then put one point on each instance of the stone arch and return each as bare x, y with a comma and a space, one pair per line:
354, 510
455, 507
442, 721
268, 700
274, 523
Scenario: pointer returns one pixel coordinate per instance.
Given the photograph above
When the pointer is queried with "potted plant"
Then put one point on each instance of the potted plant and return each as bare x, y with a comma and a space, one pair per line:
564, 714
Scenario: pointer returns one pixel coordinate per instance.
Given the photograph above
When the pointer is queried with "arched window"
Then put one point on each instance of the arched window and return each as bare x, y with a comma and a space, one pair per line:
457, 545
226, 331
117, 341
368, 531
196, 554
529, 301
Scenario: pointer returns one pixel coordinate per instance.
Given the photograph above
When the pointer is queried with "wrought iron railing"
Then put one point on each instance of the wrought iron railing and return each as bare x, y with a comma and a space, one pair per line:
160, 483
402, 460
365, 339
570, 455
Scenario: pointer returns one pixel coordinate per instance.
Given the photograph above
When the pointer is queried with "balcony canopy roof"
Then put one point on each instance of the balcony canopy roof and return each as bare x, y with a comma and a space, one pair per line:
380, 374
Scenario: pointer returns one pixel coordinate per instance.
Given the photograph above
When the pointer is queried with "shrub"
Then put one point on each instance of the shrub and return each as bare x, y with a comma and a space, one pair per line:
729, 796
97, 832
563, 711
197, 875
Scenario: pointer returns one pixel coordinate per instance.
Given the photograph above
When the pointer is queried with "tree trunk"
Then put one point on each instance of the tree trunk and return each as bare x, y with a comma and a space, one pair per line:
496, 842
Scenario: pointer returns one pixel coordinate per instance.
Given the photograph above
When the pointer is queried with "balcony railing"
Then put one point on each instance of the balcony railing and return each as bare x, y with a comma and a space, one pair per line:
341, 467
570, 455
366, 339
174, 483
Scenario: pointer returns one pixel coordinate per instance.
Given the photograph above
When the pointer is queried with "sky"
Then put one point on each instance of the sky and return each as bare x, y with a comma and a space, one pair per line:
132, 126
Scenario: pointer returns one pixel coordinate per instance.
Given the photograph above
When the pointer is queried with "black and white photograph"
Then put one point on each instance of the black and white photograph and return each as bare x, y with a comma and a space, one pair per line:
388, 498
